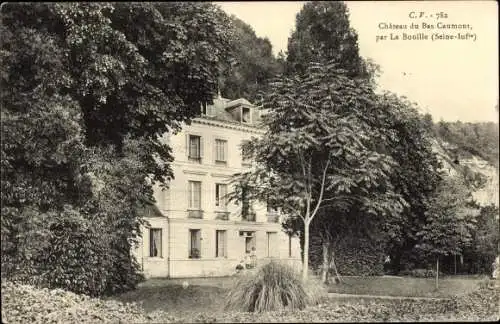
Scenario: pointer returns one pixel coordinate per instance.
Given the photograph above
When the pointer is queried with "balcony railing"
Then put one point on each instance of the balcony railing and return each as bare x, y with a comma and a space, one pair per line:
273, 218
249, 217
222, 215
195, 213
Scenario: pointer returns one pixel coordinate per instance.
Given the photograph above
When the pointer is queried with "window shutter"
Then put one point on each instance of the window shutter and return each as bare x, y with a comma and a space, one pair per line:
187, 145
201, 146
215, 149
226, 158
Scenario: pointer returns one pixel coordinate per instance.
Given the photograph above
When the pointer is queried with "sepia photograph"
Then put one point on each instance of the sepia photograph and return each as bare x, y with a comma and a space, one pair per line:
249, 162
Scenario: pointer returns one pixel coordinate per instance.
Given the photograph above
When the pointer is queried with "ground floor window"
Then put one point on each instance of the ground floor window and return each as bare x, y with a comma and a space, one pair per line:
194, 243
250, 243
220, 244
155, 242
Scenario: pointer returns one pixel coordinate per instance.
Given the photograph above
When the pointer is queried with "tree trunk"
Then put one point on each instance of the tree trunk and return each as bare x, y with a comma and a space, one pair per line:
305, 263
334, 265
437, 272
326, 264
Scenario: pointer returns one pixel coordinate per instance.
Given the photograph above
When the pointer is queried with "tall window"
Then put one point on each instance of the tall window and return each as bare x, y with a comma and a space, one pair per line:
194, 243
220, 195
289, 246
220, 151
245, 115
194, 195
245, 154
245, 204
155, 242
250, 243
271, 243
220, 244
194, 147
272, 208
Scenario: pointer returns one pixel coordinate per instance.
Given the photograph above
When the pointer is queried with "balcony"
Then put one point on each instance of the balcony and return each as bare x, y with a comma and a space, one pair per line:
195, 214
249, 217
222, 215
273, 218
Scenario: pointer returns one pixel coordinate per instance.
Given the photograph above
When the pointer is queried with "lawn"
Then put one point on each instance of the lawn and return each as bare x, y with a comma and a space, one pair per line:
407, 286
207, 295
167, 301
202, 295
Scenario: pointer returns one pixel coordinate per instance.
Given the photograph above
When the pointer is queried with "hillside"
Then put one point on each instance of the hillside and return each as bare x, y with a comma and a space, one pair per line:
481, 175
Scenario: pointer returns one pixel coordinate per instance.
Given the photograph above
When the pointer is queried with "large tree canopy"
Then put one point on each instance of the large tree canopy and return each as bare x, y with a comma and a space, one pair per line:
251, 63
320, 149
87, 90
323, 34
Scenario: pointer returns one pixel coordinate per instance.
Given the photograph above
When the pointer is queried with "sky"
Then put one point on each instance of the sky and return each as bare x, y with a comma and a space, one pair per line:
450, 79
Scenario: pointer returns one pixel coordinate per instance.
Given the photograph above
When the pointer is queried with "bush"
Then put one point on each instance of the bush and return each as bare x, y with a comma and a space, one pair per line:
275, 286
420, 273
69, 249
28, 304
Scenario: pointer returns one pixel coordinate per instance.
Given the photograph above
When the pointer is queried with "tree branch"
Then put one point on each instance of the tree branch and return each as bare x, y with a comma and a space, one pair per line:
322, 190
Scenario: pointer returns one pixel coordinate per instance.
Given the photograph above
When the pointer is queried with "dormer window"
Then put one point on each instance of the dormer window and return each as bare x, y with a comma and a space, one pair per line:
206, 109
246, 116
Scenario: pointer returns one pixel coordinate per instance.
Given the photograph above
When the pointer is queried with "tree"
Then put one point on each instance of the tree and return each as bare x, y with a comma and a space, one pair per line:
449, 224
318, 150
87, 91
323, 34
485, 241
251, 63
409, 138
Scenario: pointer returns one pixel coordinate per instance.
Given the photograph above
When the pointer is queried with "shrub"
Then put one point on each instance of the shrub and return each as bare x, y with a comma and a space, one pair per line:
420, 273
28, 304
275, 286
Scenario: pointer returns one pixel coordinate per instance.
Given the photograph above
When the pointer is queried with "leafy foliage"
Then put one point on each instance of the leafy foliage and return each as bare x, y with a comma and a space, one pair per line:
449, 226
251, 64
479, 257
87, 91
320, 149
323, 34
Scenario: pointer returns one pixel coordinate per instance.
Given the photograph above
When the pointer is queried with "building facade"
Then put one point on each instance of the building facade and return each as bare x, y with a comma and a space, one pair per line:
194, 231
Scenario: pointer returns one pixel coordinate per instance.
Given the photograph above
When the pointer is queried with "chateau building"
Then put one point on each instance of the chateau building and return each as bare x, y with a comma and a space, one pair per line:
194, 231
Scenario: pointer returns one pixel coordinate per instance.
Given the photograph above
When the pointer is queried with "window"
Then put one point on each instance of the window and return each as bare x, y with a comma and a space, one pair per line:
272, 208
246, 115
195, 148
220, 195
250, 242
155, 242
207, 110
220, 244
271, 242
246, 212
194, 195
194, 243
245, 154
220, 151
289, 246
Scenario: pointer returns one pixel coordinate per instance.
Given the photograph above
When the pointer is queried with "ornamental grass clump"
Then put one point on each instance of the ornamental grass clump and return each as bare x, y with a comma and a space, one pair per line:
275, 286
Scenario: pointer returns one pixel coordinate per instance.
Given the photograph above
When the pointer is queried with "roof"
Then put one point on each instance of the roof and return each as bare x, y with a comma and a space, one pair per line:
228, 111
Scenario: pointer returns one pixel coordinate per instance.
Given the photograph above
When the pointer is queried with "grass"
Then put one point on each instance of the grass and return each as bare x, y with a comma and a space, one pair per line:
173, 298
406, 286
208, 295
